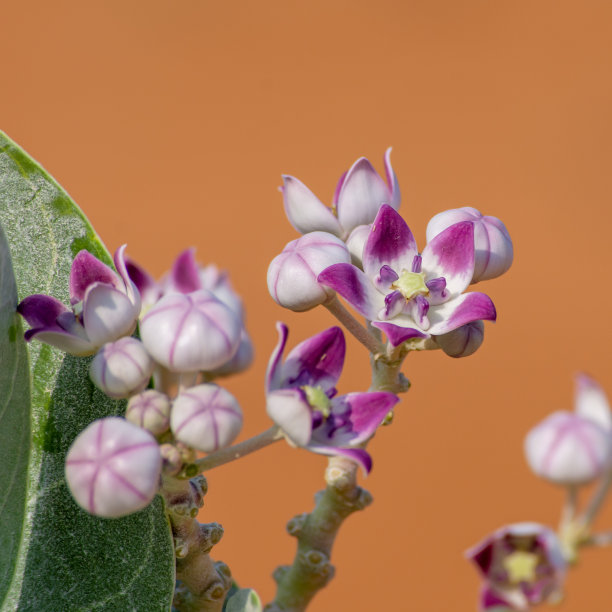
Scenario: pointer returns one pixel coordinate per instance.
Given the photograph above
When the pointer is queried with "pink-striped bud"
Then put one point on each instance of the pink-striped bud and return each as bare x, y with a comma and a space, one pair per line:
206, 417
463, 341
292, 275
149, 410
113, 468
568, 449
121, 368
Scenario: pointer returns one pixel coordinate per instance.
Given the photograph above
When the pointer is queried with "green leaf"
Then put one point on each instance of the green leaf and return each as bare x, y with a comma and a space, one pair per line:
59, 557
244, 600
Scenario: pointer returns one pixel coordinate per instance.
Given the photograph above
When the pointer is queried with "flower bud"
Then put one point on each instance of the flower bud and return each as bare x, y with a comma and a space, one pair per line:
356, 241
149, 410
206, 417
121, 368
191, 332
568, 449
463, 341
241, 360
493, 251
292, 275
113, 468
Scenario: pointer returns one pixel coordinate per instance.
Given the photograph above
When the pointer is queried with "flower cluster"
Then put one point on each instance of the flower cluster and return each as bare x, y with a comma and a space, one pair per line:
192, 330
363, 250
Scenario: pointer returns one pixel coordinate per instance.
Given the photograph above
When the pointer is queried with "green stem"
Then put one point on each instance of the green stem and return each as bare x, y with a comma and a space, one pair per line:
596, 502
237, 451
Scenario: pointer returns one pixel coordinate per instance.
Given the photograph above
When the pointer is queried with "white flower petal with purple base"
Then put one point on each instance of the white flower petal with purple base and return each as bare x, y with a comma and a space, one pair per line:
317, 361
591, 401
360, 456
274, 372
361, 195
355, 287
131, 290
290, 410
459, 311
305, 211
108, 314
87, 270
398, 334
113, 468
148, 288
392, 181
390, 243
451, 255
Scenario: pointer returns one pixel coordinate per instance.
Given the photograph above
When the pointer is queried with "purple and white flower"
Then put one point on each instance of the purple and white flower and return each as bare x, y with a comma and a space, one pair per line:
522, 565
493, 247
113, 468
358, 196
410, 295
292, 275
302, 398
105, 307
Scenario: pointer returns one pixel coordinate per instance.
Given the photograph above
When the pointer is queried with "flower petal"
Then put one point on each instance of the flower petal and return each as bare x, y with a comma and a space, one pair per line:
367, 412
317, 361
360, 456
397, 334
355, 287
390, 243
591, 401
274, 373
392, 181
289, 409
184, 276
86, 270
41, 311
459, 311
148, 289
361, 195
108, 314
305, 211
451, 255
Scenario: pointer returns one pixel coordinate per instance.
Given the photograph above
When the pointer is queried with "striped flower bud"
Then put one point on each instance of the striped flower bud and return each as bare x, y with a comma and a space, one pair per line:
149, 410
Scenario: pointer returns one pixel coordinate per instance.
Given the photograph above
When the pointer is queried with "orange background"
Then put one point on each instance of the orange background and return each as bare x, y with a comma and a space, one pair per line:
170, 123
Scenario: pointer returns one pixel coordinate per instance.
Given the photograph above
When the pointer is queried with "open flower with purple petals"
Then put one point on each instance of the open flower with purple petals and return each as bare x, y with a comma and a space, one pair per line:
302, 400
522, 565
410, 295
105, 307
359, 195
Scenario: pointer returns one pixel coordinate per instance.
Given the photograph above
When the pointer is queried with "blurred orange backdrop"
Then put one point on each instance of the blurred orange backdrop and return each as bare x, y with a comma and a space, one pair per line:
170, 124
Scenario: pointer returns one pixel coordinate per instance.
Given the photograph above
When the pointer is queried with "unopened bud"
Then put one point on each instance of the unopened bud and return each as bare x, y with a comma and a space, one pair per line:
568, 449
356, 241
206, 417
113, 468
463, 341
191, 332
493, 251
292, 275
149, 410
121, 368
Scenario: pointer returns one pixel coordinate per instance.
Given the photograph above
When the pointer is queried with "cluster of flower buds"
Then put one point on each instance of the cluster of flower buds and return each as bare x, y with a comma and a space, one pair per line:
192, 330
363, 250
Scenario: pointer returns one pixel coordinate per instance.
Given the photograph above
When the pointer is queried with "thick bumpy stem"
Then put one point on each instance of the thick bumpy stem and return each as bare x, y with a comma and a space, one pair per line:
202, 584
311, 570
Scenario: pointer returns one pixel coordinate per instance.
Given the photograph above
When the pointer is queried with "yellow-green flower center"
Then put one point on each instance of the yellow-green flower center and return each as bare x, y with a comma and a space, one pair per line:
411, 284
521, 566
318, 400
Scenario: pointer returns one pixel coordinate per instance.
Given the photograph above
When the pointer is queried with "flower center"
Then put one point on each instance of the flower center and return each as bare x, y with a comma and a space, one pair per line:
411, 284
318, 400
521, 566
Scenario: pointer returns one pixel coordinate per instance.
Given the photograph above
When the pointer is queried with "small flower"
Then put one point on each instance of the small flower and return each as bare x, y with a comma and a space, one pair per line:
302, 400
149, 410
463, 341
206, 417
493, 247
410, 295
292, 275
105, 307
522, 565
113, 468
121, 368
359, 195
190, 333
